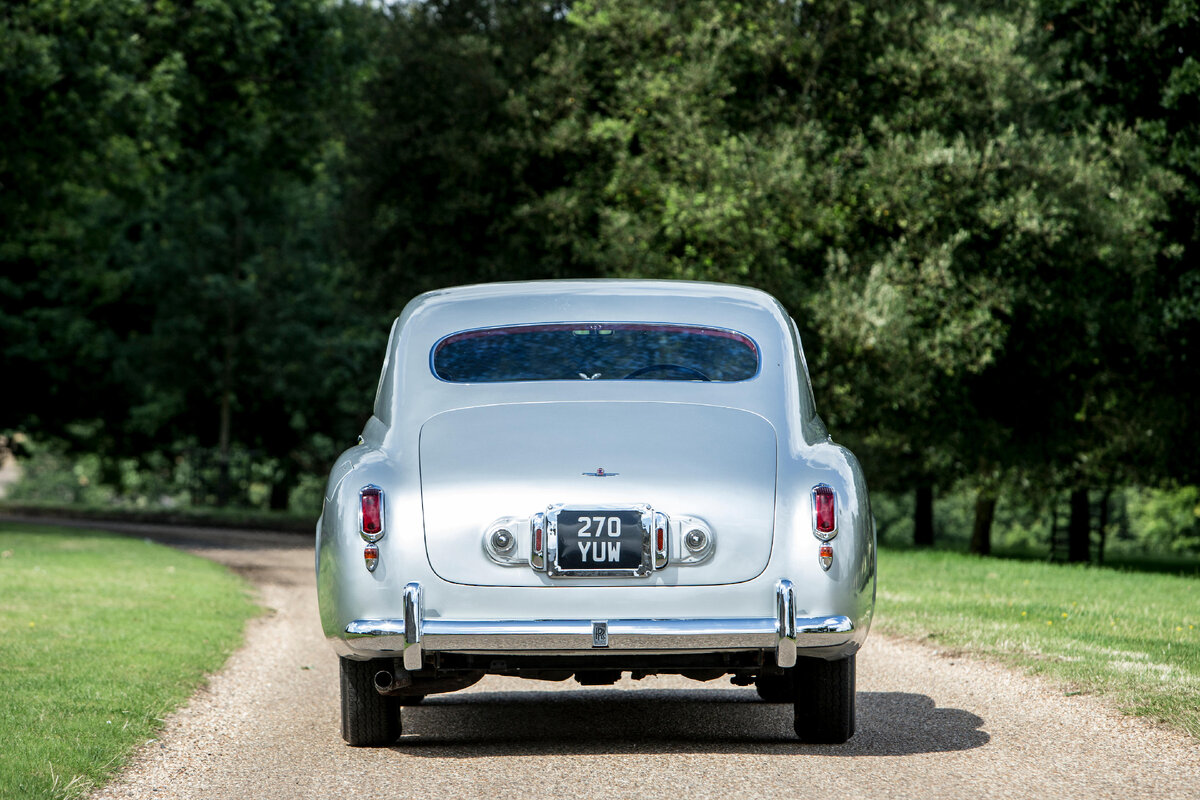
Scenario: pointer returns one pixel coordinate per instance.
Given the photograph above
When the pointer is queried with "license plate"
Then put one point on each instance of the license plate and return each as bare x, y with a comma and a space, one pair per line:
600, 542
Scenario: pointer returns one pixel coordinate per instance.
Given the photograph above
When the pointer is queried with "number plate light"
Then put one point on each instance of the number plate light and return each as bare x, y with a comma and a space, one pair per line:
537, 529
662, 527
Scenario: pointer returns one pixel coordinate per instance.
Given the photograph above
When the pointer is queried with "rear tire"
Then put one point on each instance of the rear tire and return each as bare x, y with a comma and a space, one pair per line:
369, 719
824, 700
775, 688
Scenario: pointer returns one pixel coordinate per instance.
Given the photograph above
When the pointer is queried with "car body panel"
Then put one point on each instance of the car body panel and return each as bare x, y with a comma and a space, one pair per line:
708, 462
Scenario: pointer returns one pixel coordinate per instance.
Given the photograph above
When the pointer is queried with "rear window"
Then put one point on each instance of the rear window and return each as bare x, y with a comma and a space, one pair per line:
595, 351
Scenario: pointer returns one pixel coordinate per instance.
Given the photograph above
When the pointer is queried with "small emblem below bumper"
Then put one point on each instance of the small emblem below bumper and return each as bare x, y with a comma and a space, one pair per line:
599, 634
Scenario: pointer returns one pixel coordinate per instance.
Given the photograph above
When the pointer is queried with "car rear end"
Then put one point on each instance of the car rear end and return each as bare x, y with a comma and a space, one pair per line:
595, 493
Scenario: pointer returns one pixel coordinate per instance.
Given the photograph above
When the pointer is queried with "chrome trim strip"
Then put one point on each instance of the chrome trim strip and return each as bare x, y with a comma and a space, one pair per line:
375, 627
824, 625
413, 613
573, 635
785, 611
623, 634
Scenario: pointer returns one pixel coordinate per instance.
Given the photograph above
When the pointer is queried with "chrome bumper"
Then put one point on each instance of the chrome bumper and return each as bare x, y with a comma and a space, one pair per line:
414, 635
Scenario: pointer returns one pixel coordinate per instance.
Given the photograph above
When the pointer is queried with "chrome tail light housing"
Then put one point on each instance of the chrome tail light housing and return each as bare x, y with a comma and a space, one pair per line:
370, 513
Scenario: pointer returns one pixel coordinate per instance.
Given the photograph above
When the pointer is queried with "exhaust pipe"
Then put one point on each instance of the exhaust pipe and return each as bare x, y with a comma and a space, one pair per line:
401, 682
387, 681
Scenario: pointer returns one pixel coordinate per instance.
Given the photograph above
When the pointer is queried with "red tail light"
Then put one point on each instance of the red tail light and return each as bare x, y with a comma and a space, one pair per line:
371, 498
824, 511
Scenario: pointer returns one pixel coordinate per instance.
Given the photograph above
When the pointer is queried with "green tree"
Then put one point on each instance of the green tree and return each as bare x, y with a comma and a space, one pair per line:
240, 279
1135, 65
900, 177
447, 165
171, 276
87, 134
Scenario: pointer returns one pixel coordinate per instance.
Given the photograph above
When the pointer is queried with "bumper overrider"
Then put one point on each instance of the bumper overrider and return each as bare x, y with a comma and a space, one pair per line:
414, 635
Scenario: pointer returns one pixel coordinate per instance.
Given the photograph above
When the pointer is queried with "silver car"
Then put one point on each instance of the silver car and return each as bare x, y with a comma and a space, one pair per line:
590, 478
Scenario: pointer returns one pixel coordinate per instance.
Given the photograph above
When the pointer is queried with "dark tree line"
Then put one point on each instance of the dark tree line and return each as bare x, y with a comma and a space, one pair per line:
982, 214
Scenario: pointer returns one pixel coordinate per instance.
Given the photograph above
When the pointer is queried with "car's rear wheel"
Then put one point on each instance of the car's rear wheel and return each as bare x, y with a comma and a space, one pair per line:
369, 719
824, 698
775, 688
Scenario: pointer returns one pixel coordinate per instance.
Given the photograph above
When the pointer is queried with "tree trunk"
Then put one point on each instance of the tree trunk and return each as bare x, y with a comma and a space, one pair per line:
281, 489
226, 424
923, 517
1104, 503
224, 436
1079, 528
985, 512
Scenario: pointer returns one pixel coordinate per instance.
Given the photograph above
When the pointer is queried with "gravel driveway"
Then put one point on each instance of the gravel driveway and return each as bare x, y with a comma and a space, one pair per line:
929, 726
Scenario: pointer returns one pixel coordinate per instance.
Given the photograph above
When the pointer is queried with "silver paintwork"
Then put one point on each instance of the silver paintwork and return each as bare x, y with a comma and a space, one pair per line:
738, 458
480, 463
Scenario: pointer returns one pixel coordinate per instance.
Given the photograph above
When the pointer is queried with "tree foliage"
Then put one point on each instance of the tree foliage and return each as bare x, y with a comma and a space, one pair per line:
445, 166
981, 214
86, 133
171, 278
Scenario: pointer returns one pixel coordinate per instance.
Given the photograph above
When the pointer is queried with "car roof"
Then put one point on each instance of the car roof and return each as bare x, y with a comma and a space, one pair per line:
446, 311
774, 393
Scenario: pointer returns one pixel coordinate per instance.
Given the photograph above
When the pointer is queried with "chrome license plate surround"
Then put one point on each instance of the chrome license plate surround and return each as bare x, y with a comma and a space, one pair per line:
562, 523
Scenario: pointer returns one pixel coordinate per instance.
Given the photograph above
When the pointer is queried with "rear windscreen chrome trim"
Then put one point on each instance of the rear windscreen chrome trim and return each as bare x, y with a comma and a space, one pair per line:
494, 330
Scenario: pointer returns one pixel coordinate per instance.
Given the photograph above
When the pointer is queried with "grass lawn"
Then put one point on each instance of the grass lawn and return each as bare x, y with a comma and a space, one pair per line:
100, 637
1130, 636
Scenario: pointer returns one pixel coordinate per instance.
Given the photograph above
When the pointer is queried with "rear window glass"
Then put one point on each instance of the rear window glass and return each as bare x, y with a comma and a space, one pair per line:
595, 351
